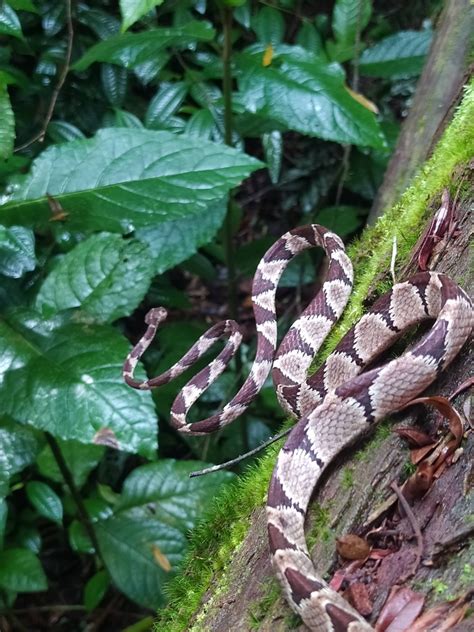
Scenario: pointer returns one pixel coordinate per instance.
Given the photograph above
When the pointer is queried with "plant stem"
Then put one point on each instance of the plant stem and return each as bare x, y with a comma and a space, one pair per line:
228, 129
75, 493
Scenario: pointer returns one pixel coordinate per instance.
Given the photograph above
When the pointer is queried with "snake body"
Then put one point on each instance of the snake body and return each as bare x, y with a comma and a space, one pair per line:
335, 407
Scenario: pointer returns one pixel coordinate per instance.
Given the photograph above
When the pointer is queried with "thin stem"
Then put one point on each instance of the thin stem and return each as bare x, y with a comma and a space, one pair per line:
69, 480
62, 78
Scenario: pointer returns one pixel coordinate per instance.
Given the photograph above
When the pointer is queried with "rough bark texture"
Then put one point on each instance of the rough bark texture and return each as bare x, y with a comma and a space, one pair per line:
248, 597
438, 92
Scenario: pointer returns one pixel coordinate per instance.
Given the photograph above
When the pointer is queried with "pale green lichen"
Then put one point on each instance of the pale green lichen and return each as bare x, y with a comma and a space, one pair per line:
216, 539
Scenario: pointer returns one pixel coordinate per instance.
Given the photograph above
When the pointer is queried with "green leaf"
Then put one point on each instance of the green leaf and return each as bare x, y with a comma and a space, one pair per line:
23, 5
60, 131
158, 506
95, 589
105, 275
308, 37
45, 500
269, 26
9, 22
201, 124
81, 460
165, 103
21, 571
133, 10
132, 49
122, 118
19, 447
349, 16
273, 150
26, 537
127, 178
175, 241
3, 516
114, 83
400, 54
17, 251
69, 382
79, 538
7, 123
307, 97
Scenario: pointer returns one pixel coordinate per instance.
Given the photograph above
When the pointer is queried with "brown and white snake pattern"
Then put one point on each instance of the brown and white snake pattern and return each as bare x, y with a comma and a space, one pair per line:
335, 407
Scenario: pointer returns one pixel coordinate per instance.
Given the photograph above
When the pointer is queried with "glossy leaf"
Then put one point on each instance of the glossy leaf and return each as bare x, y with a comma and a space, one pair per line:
133, 10
400, 54
19, 447
273, 151
79, 538
114, 83
70, 383
127, 178
348, 17
45, 500
201, 124
269, 26
9, 22
158, 505
21, 571
17, 251
7, 122
60, 131
175, 241
132, 49
165, 103
105, 275
307, 97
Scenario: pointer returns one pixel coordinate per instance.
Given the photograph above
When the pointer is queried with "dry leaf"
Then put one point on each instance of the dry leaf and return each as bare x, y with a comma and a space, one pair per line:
267, 56
352, 547
106, 436
401, 608
161, 559
363, 100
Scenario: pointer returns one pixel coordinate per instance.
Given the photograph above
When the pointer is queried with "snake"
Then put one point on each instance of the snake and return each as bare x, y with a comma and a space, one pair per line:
335, 407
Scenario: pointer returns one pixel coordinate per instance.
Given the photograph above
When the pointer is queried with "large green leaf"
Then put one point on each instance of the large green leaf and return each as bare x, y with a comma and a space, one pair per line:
158, 505
400, 54
17, 251
127, 178
105, 275
133, 10
133, 49
307, 96
7, 123
70, 383
21, 571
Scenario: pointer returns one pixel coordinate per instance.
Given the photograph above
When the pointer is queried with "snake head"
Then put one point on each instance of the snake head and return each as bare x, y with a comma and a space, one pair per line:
155, 316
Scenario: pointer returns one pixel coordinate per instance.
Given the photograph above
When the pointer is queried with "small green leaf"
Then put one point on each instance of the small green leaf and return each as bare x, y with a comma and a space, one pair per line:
132, 49
400, 54
7, 123
81, 460
23, 5
114, 83
343, 220
349, 16
133, 10
9, 22
60, 131
105, 275
21, 571
95, 589
269, 26
45, 500
19, 447
165, 103
273, 151
17, 251
79, 538
3, 517
201, 124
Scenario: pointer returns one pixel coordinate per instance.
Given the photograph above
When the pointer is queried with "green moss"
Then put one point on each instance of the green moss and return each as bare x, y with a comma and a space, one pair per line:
229, 517
259, 610
382, 433
347, 480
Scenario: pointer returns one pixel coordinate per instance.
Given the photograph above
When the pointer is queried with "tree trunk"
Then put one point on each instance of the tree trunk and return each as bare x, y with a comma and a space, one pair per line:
438, 92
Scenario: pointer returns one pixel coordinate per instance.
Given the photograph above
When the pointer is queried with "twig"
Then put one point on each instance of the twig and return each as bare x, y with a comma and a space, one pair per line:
414, 525
394, 259
62, 78
223, 466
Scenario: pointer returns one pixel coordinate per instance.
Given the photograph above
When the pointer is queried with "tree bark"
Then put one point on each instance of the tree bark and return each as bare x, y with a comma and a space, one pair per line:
354, 489
438, 92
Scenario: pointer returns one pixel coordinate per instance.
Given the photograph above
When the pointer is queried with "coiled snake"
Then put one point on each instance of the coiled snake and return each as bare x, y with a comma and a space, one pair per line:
336, 406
